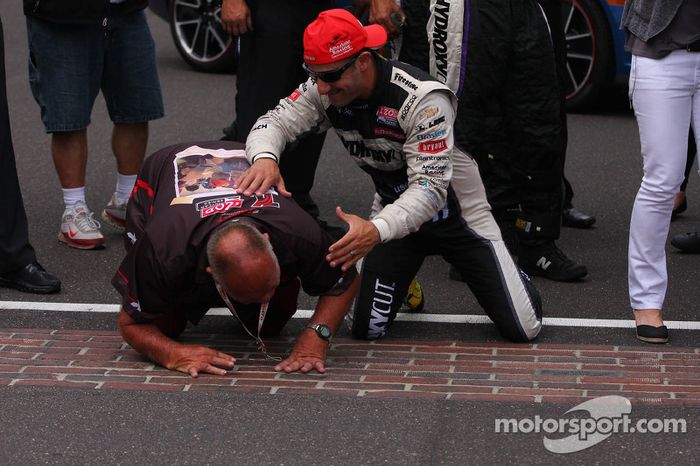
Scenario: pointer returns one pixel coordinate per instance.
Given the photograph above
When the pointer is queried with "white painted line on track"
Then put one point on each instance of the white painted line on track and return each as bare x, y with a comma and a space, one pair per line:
401, 317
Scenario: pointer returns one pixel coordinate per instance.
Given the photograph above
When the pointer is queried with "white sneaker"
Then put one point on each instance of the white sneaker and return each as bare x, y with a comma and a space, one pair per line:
115, 213
79, 230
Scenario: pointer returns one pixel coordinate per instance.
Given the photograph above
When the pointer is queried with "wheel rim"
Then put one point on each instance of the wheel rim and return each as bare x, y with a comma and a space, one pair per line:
580, 46
197, 24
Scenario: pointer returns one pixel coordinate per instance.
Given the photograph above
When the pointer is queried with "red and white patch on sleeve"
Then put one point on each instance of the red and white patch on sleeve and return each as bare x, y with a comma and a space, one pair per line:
432, 147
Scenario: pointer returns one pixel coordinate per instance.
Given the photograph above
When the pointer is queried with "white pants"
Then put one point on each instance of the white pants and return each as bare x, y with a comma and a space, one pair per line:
665, 94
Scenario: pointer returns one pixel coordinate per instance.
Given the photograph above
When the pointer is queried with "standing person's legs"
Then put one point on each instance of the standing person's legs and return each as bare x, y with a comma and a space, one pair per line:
664, 93
15, 250
18, 265
65, 67
131, 88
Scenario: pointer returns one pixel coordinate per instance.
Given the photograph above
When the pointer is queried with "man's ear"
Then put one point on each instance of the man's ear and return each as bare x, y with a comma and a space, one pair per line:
267, 237
209, 270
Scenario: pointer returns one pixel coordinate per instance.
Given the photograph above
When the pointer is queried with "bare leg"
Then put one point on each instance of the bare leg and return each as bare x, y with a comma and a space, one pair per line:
129, 142
69, 152
648, 317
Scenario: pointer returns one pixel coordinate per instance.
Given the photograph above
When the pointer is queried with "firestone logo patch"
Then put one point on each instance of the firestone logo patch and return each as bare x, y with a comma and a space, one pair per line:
432, 147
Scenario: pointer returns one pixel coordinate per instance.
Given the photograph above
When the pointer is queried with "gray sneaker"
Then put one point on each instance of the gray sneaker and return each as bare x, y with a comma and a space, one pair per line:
79, 229
115, 213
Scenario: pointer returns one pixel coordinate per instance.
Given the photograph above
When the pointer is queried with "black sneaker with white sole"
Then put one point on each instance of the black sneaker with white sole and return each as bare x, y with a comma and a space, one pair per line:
548, 261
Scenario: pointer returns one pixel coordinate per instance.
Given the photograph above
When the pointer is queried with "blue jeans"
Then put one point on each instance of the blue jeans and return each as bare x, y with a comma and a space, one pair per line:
70, 63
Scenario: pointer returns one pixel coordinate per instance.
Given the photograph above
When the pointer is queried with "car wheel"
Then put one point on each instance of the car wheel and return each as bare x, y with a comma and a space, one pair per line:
589, 52
196, 29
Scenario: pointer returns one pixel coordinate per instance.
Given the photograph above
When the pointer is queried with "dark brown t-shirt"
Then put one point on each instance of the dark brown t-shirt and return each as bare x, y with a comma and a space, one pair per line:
182, 194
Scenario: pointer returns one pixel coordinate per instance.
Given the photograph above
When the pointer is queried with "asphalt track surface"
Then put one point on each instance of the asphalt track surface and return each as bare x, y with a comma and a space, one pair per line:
49, 415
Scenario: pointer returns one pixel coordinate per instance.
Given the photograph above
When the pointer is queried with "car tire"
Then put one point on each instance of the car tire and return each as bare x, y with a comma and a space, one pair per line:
589, 53
195, 26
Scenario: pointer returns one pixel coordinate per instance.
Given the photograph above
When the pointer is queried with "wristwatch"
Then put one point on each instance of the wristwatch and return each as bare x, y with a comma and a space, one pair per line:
322, 330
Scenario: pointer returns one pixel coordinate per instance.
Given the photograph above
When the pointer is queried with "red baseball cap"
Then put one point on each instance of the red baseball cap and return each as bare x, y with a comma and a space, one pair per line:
336, 34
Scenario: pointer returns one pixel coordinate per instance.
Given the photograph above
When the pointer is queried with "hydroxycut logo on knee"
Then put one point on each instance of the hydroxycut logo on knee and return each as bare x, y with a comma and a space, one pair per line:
382, 300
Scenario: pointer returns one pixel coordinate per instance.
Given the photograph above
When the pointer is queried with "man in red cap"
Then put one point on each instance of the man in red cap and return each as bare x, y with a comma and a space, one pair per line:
396, 123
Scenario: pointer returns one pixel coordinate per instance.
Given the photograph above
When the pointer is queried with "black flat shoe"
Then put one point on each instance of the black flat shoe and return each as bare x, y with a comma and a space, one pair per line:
574, 218
682, 207
32, 278
687, 242
649, 334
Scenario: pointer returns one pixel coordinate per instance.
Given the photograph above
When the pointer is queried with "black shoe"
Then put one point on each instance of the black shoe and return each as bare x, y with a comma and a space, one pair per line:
574, 218
548, 261
32, 278
649, 334
682, 207
687, 242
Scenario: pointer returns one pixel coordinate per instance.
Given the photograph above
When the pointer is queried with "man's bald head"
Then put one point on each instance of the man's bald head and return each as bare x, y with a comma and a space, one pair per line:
241, 259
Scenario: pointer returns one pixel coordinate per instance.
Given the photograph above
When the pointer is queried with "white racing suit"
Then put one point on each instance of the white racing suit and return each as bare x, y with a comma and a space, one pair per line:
429, 197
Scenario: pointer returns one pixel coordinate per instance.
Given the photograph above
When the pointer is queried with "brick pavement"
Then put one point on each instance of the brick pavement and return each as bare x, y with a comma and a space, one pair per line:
445, 369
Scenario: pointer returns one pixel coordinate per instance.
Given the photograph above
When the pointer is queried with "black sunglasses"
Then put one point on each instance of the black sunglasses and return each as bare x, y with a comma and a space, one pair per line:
329, 76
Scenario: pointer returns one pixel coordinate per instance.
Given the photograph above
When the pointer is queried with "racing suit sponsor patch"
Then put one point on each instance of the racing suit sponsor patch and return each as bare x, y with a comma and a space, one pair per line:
381, 309
432, 147
428, 112
218, 205
441, 15
390, 133
433, 135
387, 116
294, 95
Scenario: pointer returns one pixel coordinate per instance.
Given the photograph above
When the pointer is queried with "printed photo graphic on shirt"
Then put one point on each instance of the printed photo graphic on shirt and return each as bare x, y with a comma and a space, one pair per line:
201, 172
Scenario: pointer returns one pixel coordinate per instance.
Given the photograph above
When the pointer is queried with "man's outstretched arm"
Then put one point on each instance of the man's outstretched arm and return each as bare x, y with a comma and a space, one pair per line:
309, 351
150, 340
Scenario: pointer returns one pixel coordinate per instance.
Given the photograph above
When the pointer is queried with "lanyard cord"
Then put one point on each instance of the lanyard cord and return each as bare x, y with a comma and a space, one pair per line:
261, 318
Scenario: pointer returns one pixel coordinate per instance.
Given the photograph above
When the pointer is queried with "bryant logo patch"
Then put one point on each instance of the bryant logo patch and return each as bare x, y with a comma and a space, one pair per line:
433, 147
294, 95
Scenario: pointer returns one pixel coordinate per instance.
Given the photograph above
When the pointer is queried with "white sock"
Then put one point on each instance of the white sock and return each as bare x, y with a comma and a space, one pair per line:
73, 195
125, 184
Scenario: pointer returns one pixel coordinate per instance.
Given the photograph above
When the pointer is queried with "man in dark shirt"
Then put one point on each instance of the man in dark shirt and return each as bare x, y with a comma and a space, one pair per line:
193, 243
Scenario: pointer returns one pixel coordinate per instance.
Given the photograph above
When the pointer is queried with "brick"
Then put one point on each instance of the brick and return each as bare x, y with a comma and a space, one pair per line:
405, 394
278, 383
536, 378
453, 350
38, 331
84, 332
368, 347
22, 341
539, 391
661, 388
452, 388
116, 364
683, 369
571, 352
55, 383
106, 338
62, 370
141, 386
581, 386
630, 394
475, 358
233, 388
106, 378
39, 349
83, 344
485, 397
409, 355
186, 379
13, 357
461, 363
491, 383
535, 365
611, 367
363, 386
556, 346
303, 391
406, 380
621, 380
573, 400
8, 368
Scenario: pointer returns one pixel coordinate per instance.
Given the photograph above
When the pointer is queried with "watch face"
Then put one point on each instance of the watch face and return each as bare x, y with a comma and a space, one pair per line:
324, 331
